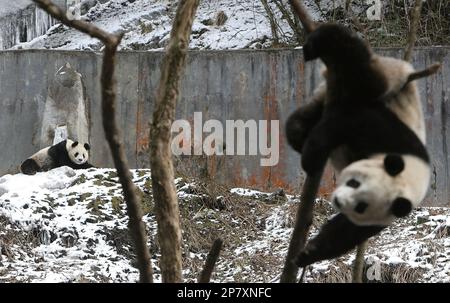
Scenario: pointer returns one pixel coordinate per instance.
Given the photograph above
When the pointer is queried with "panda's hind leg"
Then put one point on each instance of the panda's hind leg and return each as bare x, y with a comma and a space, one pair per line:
29, 167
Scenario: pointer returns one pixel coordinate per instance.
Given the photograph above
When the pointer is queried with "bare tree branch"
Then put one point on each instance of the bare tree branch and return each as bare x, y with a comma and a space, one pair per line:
164, 193
211, 259
432, 69
358, 265
308, 24
310, 188
292, 21
303, 221
415, 15
273, 24
112, 132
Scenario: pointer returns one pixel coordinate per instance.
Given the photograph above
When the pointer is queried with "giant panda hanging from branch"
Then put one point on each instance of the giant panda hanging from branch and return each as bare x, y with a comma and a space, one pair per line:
367, 119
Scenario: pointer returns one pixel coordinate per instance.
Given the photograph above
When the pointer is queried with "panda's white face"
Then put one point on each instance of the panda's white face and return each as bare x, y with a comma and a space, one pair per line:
376, 191
78, 153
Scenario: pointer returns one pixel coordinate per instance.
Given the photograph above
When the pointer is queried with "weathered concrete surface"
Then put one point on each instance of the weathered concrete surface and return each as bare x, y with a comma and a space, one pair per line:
231, 85
65, 106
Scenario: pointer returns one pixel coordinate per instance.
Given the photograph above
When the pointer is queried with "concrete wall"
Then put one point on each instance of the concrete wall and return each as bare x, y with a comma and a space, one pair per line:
222, 85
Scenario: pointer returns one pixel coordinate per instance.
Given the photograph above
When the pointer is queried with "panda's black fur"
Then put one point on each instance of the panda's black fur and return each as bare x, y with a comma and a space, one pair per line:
355, 116
55, 156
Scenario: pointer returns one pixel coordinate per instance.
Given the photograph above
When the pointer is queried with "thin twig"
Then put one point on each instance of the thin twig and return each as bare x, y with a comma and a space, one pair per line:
271, 17
211, 259
415, 15
308, 24
112, 132
291, 21
432, 69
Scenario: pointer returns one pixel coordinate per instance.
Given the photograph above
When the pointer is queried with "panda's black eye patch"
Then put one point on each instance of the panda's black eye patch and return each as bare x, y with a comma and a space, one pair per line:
353, 183
76, 154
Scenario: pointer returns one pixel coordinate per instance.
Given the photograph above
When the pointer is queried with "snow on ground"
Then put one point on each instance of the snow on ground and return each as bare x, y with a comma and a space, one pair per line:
147, 25
71, 226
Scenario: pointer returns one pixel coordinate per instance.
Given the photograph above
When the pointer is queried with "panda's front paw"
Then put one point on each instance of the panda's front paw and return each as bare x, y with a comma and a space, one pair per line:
316, 150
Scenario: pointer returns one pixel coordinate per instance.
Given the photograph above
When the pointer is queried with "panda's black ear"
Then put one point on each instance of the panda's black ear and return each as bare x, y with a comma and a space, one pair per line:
74, 144
87, 146
401, 207
394, 164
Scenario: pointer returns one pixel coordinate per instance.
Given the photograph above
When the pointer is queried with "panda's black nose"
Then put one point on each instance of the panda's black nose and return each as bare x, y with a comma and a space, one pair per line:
361, 207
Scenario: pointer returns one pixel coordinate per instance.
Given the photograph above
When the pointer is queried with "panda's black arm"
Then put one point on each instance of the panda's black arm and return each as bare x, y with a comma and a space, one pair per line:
319, 144
336, 237
301, 122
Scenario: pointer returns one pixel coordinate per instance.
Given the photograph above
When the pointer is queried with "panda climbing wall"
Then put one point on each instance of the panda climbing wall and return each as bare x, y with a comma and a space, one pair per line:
65, 153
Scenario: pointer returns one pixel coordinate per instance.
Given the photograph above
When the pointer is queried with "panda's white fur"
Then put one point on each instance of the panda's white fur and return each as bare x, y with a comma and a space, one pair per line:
65, 153
377, 188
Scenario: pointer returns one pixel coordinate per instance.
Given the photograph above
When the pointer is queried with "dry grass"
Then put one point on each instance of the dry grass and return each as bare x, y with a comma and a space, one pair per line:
16, 237
393, 28
212, 211
340, 272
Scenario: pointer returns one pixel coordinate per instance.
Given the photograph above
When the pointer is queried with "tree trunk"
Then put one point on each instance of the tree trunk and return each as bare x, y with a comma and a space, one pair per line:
164, 192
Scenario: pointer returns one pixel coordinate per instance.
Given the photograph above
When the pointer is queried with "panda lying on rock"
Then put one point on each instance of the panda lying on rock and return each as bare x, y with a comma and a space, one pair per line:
367, 119
65, 153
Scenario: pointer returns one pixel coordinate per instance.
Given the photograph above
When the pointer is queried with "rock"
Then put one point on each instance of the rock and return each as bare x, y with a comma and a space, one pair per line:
44, 235
3, 191
221, 18
91, 220
68, 240
87, 5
